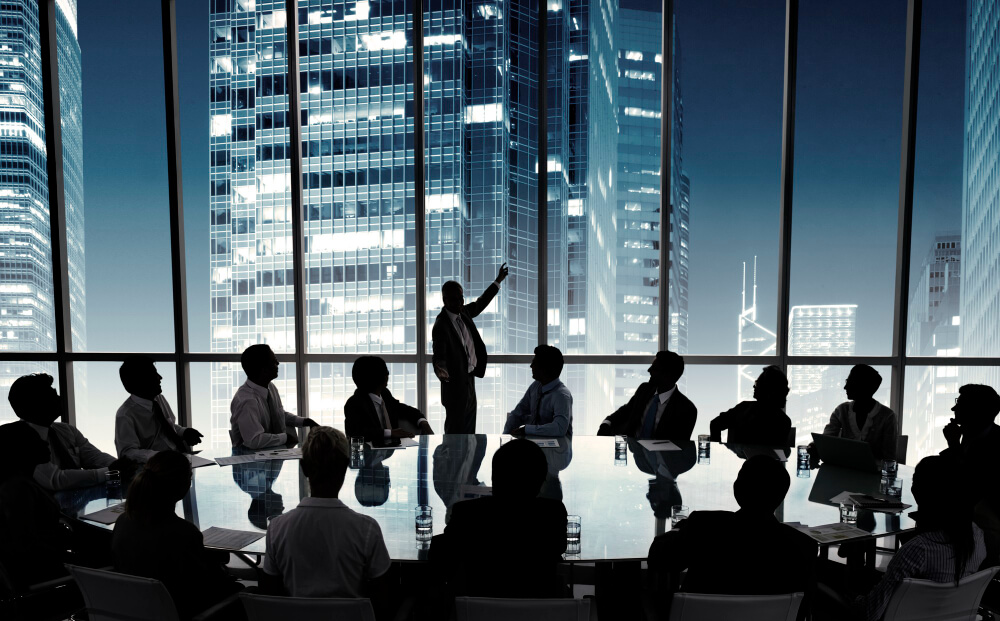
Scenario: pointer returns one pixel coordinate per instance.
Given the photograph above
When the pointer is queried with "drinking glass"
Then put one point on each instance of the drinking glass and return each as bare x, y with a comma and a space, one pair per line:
895, 488
573, 528
678, 513
889, 468
621, 451
424, 522
848, 513
357, 452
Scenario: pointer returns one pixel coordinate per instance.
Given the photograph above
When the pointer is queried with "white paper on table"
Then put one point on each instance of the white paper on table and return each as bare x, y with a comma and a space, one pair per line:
467, 492
403, 443
292, 453
228, 539
235, 459
198, 462
843, 497
834, 533
106, 516
545, 442
659, 445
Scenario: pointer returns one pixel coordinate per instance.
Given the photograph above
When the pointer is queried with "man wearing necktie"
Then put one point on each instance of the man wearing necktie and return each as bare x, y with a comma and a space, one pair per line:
547, 406
459, 352
372, 412
258, 420
74, 462
144, 424
658, 409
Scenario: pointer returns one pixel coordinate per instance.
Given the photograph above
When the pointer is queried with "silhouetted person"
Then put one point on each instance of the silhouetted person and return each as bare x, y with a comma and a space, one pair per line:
145, 424
151, 541
258, 420
459, 352
33, 543
322, 548
747, 552
863, 418
372, 412
762, 421
546, 409
456, 463
74, 462
666, 466
658, 409
529, 533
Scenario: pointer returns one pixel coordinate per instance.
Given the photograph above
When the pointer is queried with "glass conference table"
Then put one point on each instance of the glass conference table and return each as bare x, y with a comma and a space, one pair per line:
623, 499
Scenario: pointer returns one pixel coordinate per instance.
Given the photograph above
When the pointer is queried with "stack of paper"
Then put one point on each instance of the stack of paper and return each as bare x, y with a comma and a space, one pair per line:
227, 539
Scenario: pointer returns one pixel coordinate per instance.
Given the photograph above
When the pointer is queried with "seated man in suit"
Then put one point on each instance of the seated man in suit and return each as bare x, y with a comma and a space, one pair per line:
863, 418
748, 552
762, 421
658, 409
145, 424
536, 528
372, 412
547, 406
74, 462
258, 420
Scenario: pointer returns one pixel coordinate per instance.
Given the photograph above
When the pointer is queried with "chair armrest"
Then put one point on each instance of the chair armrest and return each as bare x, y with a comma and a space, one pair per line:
39, 587
211, 611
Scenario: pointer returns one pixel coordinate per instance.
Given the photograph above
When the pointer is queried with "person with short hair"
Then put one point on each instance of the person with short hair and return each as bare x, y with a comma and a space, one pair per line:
372, 412
535, 526
459, 352
658, 409
258, 420
547, 406
322, 548
150, 540
145, 424
747, 552
863, 418
74, 462
762, 421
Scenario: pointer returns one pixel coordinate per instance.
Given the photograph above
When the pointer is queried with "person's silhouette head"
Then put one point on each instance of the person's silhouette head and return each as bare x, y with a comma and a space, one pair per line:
453, 296
976, 406
154, 492
370, 374
23, 449
325, 457
519, 469
371, 487
140, 378
771, 386
260, 364
666, 369
34, 400
761, 484
862, 383
547, 364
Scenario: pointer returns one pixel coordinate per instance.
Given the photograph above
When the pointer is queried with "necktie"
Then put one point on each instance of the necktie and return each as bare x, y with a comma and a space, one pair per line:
536, 414
276, 423
63, 458
168, 429
470, 347
649, 422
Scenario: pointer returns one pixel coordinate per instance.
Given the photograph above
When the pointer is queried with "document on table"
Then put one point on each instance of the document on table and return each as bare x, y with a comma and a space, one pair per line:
236, 459
545, 442
198, 462
106, 516
659, 445
403, 443
467, 492
834, 533
227, 539
292, 453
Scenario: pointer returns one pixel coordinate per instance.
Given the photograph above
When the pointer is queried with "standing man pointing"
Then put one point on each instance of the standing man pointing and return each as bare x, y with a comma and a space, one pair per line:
459, 352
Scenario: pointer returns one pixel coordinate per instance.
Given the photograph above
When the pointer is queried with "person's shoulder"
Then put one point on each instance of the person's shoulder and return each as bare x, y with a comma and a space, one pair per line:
126, 407
353, 401
550, 506
682, 398
65, 429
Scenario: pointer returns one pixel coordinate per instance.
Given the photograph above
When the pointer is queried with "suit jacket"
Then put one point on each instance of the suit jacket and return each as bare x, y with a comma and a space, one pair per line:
737, 553
33, 543
89, 465
449, 352
361, 418
752, 422
675, 425
536, 532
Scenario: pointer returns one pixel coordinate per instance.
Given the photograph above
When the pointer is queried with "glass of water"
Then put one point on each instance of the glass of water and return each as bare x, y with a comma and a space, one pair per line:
621, 451
424, 522
357, 452
677, 514
573, 528
848, 513
895, 488
889, 468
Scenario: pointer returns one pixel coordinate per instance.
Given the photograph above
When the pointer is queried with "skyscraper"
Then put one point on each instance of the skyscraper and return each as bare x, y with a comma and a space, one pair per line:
27, 316
753, 338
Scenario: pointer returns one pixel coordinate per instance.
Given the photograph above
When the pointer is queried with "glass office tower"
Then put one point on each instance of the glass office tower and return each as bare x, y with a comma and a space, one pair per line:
27, 317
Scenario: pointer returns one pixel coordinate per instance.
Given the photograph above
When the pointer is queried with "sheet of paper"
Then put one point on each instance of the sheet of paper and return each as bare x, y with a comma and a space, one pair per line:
659, 445
467, 492
545, 442
834, 533
106, 516
227, 539
843, 497
236, 459
403, 443
292, 453
198, 462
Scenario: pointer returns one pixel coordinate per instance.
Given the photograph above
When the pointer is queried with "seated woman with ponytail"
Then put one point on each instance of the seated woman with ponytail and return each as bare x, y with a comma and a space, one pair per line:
151, 541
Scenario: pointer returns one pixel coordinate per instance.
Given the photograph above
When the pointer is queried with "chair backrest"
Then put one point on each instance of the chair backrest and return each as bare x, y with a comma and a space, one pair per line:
492, 609
923, 600
901, 443
698, 606
271, 608
111, 596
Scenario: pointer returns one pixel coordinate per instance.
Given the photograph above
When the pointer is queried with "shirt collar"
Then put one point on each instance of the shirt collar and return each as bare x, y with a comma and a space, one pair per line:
454, 316
377, 399
551, 385
145, 403
257, 388
324, 503
665, 396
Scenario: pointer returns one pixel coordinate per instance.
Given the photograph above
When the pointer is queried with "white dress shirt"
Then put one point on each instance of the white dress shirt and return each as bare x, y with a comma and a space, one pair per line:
660, 409
463, 333
138, 435
90, 467
251, 417
383, 414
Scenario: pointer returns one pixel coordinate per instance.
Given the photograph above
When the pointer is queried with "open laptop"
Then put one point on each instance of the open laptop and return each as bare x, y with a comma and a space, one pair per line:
846, 453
